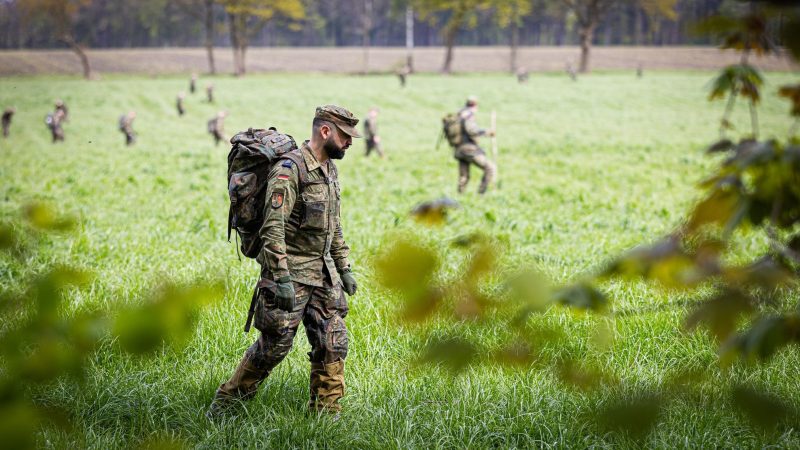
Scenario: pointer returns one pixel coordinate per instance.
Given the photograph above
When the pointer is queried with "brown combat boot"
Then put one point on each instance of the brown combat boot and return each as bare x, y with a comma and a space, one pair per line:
327, 387
242, 385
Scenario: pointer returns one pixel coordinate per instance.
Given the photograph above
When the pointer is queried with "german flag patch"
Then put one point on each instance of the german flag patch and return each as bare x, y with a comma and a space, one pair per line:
283, 176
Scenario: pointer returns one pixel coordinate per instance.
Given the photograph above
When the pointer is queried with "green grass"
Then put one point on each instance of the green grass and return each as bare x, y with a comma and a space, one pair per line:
587, 169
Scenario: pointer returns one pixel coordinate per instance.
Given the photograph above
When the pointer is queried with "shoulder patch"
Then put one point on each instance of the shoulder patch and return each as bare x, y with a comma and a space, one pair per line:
287, 163
277, 199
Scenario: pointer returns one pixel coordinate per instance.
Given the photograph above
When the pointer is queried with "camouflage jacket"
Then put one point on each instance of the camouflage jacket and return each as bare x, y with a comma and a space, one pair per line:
470, 129
125, 124
216, 125
471, 132
370, 128
302, 232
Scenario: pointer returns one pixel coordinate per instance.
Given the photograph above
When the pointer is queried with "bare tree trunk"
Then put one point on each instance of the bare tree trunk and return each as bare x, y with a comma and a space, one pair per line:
212, 68
586, 32
236, 45
450, 34
410, 39
514, 46
243, 40
232, 36
560, 33
449, 42
638, 25
242, 50
87, 69
367, 30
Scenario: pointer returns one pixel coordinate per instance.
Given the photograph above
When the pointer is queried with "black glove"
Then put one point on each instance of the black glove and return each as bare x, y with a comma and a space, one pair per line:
284, 293
348, 282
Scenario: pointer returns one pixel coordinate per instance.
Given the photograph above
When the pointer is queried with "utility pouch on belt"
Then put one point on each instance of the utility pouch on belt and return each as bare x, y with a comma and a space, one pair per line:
262, 283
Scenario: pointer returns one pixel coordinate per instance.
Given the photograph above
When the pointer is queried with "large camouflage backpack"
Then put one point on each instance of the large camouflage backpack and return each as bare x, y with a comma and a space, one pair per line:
453, 129
253, 153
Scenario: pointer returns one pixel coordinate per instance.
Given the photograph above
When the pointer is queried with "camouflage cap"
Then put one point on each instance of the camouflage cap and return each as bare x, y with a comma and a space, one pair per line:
342, 118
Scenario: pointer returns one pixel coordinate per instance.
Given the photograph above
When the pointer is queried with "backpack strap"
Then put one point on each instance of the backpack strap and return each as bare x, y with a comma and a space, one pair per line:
297, 158
263, 283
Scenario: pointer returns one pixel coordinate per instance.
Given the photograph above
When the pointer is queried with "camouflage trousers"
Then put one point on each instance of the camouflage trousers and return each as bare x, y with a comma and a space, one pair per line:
218, 137
374, 146
322, 311
58, 133
130, 137
479, 159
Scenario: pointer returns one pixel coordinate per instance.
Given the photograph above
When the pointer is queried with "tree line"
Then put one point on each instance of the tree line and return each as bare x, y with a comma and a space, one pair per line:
238, 24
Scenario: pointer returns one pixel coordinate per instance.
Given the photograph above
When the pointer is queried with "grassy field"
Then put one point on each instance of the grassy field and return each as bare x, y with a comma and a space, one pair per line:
588, 169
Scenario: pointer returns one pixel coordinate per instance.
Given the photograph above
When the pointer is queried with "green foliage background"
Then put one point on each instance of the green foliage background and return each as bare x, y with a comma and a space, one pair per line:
588, 169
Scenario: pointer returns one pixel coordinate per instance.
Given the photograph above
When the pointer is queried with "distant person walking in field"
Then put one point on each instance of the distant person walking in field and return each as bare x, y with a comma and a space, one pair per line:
193, 83
402, 74
522, 75
61, 106
305, 268
573, 75
126, 126
179, 103
54, 122
371, 136
7, 115
462, 132
216, 126
210, 93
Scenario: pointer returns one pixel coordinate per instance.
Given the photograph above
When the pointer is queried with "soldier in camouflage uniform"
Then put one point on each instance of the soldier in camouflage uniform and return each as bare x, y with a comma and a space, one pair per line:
126, 126
61, 106
7, 115
53, 122
216, 126
468, 152
402, 74
210, 93
371, 137
179, 103
305, 268
573, 75
522, 75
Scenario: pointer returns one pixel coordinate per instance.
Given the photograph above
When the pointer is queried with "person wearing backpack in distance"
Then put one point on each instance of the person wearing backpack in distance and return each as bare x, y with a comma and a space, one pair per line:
302, 252
216, 126
126, 127
462, 131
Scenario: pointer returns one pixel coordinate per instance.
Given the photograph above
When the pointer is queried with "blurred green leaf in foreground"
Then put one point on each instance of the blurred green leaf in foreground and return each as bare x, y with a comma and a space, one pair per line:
43, 341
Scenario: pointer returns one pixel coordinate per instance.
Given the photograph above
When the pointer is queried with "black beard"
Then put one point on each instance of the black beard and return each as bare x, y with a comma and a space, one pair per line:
333, 150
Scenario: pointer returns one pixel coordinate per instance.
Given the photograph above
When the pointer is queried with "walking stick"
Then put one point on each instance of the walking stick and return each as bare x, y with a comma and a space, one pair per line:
494, 147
